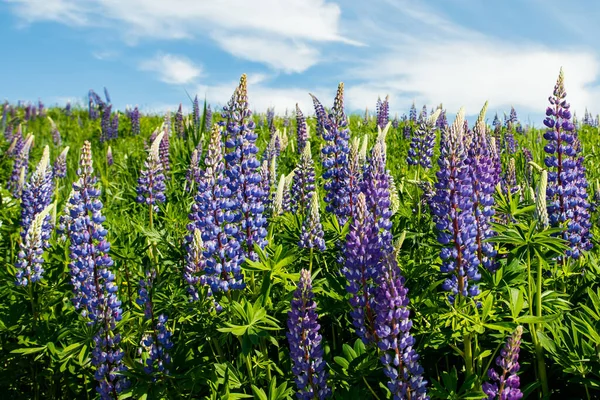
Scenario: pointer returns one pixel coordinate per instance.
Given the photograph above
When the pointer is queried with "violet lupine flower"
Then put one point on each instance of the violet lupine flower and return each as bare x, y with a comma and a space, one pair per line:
94, 102
395, 122
423, 114
303, 186
356, 167
114, 126
243, 172
68, 109
413, 113
106, 95
482, 172
304, 340
505, 386
207, 119
193, 173
95, 291
60, 164
442, 121
151, 183
383, 112
194, 264
164, 149
271, 120
375, 186
406, 127
179, 128
321, 116
452, 207
134, 117
20, 168
362, 255
509, 140
335, 158
423, 142
157, 343
301, 130
106, 124
35, 239
566, 193
37, 194
196, 113
214, 214
496, 121
509, 181
312, 230
392, 327
55, 133
109, 157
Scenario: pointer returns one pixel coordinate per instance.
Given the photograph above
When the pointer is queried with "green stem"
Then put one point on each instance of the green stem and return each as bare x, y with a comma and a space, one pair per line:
468, 350
539, 351
370, 389
310, 260
266, 356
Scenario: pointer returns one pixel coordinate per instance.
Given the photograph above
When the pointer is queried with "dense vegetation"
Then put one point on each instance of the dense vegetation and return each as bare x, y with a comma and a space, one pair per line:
232, 255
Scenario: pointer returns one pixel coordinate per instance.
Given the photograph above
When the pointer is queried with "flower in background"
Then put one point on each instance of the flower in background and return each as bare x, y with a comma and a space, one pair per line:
505, 385
179, 128
151, 183
383, 112
312, 230
20, 168
60, 164
134, 117
37, 194
301, 130
55, 133
109, 157
304, 341
413, 113
303, 186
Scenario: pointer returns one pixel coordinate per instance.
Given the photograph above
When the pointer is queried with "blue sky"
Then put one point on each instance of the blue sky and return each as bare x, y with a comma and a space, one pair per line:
152, 53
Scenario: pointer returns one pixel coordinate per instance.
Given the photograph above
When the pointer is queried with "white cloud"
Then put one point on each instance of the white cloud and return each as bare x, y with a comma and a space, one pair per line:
291, 27
173, 69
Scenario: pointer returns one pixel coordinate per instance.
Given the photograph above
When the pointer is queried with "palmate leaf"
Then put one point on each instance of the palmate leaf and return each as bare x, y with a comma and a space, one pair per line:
254, 318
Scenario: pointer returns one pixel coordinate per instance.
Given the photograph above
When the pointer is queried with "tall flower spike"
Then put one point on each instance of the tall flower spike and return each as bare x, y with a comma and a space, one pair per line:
383, 112
30, 260
303, 186
109, 157
151, 183
164, 149
392, 327
452, 207
566, 193
362, 255
93, 282
20, 168
304, 340
301, 129
312, 230
195, 264
60, 164
37, 195
55, 133
541, 210
423, 141
506, 384
134, 117
278, 202
179, 128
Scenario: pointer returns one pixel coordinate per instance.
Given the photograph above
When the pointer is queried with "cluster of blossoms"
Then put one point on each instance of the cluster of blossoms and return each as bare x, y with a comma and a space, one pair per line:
303, 186
505, 386
110, 160
383, 112
312, 230
442, 121
423, 142
453, 213
60, 164
196, 113
335, 156
95, 290
35, 240
301, 130
109, 124
134, 119
304, 341
179, 127
55, 133
412, 114
208, 118
566, 193
21, 165
37, 194
95, 104
151, 183
271, 120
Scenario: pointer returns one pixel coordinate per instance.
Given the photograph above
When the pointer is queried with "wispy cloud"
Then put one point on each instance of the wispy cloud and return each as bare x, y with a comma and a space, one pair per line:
172, 69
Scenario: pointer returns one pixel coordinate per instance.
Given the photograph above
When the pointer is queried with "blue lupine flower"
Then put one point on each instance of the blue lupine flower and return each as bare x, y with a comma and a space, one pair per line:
304, 341
383, 112
37, 194
423, 142
60, 164
134, 117
303, 186
505, 386
312, 230
194, 264
151, 183
29, 259
20, 168
301, 130
179, 128
413, 113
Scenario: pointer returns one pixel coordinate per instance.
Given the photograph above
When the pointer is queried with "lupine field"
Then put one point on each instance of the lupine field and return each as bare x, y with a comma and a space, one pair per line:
232, 254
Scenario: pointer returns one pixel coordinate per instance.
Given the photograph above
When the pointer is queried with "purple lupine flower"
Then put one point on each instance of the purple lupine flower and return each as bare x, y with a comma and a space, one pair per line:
511, 147
496, 121
304, 340
60, 164
383, 112
106, 124
528, 158
286, 119
406, 127
214, 213
271, 120
193, 173
303, 186
164, 152
134, 117
16, 142
312, 230
94, 102
29, 259
509, 180
95, 291
452, 207
37, 194
208, 119
512, 118
157, 343
321, 116
20, 168
114, 126
335, 158
151, 183
375, 186
566, 193
265, 178
482, 172
413, 113
286, 201
243, 172
301, 130
196, 113
356, 166
423, 142
392, 327
442, 121
362, 255
505, 386
179, 128
68, 109
55, 133
194, 264
41, 112
109, 157
395, 122
423, 114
